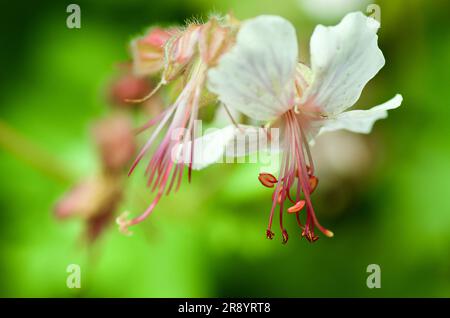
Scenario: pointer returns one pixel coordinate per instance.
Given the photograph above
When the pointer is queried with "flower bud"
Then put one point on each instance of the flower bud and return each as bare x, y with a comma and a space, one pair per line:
148, 52
179, 51
128, 87
214, 41
115, 140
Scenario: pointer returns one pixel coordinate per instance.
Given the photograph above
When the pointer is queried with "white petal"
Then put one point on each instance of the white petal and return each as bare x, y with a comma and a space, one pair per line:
256, 76
228, 142
361, 121
343, 58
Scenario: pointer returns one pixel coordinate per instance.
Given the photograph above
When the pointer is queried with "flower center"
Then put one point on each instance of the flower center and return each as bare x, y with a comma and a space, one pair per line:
296, 181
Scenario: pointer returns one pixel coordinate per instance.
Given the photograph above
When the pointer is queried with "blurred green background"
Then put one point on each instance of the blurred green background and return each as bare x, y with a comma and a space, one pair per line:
390, 206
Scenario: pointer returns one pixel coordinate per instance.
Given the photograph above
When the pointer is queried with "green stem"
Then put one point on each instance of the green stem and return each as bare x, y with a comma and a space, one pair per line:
18, 145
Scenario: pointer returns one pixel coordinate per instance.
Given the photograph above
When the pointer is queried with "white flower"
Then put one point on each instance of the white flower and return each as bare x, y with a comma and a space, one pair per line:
261, 78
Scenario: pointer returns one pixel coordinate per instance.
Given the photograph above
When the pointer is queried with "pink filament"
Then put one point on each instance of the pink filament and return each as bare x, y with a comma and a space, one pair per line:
294, 176
163, 173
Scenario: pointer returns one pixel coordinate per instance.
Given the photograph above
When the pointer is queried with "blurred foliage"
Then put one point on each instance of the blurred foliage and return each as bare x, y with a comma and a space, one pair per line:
209, 238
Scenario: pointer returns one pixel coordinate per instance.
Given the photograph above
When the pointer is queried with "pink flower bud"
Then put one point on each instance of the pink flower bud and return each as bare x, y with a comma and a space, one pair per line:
148, 52
128, 87
115, 140
78, 201
214, 41
180, 50
94, 201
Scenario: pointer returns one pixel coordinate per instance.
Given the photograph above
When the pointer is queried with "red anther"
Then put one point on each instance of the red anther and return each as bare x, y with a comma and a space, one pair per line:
313, 182
269, 234
297, 207
267, 179
285, 237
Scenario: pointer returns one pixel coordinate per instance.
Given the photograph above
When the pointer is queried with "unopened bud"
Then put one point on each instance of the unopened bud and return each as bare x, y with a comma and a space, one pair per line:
214, 41
148, 52
179, 51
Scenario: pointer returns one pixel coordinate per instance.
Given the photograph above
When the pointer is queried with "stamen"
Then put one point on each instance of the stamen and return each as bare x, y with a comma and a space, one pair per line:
163, 170
279, 195
296, 171
297, 207
313, 182
153, 121
268, 180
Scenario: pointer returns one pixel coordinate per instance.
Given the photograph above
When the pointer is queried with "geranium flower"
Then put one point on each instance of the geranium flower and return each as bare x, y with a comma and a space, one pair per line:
261, 78
188, 54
